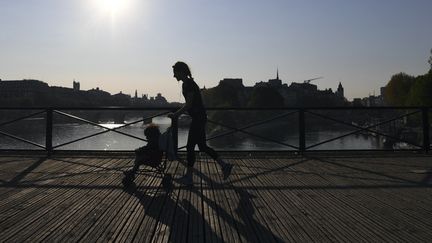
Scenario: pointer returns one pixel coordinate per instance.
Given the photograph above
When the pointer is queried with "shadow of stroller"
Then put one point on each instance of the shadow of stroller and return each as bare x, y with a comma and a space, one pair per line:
130, 186
158, 202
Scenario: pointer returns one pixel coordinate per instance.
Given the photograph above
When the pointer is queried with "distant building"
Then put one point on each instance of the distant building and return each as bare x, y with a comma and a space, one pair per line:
296, 94
370, 101
340, 91
76, 86
27, 88
357, 102
37, 93
234, 82
261, 84
98, 94
121, 95
306, 87
275, 82
122, 99
160, 100
382, 91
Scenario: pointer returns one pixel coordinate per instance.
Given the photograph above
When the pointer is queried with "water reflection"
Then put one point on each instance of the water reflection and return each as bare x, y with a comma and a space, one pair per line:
66, 132
111, 125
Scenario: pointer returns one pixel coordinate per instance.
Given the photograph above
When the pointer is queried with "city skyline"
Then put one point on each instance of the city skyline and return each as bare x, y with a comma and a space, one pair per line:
131, 45
76, 86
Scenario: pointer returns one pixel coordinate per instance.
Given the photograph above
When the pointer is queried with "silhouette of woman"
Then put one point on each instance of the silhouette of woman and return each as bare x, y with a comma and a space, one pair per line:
195, 108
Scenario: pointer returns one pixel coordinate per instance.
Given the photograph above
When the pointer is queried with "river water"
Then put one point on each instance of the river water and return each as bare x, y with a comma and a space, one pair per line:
34, 130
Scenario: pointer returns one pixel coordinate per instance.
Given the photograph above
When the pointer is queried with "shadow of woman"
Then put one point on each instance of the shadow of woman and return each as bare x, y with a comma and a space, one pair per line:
250, 229
246, 210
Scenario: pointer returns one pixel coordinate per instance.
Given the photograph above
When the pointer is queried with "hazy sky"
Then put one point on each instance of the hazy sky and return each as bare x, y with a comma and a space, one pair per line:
123, 45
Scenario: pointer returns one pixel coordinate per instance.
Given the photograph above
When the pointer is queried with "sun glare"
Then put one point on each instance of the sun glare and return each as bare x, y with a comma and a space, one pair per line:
112, 7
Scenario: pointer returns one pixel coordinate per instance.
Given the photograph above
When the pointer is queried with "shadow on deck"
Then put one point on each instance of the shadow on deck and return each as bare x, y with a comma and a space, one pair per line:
266, 199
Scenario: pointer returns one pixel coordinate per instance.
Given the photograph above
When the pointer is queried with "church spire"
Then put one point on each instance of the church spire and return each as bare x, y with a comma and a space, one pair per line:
277, 73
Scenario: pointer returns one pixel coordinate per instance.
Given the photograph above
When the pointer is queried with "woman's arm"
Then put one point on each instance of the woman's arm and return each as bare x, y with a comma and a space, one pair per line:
189, 98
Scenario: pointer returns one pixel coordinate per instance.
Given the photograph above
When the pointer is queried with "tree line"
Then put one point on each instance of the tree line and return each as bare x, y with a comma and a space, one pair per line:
407, 90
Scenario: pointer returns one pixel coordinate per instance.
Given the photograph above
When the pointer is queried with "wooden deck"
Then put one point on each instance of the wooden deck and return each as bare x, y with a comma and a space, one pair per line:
267, 198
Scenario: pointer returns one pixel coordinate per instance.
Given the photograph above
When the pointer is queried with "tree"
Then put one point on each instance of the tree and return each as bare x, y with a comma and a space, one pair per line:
420, 93
430, 62
398, 89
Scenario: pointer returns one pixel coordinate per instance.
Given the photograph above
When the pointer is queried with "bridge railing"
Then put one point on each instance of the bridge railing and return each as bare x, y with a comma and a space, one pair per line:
300, 119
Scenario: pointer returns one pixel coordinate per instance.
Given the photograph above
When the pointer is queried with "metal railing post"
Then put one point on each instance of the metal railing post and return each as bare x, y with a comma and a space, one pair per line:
302, 132
426, 139
174, 125
48, 131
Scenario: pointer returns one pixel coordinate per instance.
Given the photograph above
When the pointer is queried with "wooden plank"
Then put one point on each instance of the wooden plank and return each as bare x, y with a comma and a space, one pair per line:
345, 217
86, 215
66, 212
195, 222
33, 195
157, 201
92, 211
163, 198
222, 218
397, 219
54, 221
166, 217
25, 191
212, 230
226, 201
272, 218
11, 165
266, 199
134, 210
10, 176
309, 218
27, 197
397, 168
415, 194
37, 213
179, 226
248, 213
104, 226
298, 225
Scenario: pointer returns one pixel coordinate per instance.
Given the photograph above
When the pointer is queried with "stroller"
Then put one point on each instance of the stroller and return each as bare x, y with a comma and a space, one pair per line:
154, 161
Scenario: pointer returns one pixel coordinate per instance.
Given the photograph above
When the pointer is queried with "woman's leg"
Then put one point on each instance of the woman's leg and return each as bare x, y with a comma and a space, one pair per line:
190, 146
197, 136
205, 148
190, 155
202, 144
200, 138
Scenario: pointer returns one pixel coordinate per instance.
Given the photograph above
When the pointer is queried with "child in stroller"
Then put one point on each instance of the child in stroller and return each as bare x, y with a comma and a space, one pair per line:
151, 155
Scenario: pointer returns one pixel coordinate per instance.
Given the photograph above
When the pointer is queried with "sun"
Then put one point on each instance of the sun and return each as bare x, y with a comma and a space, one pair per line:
112, 7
